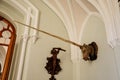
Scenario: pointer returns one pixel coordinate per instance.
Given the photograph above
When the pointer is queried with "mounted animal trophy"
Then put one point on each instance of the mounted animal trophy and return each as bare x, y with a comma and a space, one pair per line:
89, 51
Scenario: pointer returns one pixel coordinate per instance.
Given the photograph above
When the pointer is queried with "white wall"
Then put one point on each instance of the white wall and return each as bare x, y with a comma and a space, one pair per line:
104, 68
36, 54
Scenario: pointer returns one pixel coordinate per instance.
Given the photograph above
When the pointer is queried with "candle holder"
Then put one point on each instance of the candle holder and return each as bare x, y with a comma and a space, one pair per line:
53, 66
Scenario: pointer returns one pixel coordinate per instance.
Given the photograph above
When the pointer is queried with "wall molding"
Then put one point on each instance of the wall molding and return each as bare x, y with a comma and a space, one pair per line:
111, 17
29, 18
110, 13
83, 6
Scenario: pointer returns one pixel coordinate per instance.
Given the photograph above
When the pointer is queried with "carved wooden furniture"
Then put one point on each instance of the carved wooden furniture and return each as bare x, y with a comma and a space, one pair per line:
7, 42
53, 66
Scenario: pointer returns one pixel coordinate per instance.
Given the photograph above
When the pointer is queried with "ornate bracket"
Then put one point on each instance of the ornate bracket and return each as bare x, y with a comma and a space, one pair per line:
53, 66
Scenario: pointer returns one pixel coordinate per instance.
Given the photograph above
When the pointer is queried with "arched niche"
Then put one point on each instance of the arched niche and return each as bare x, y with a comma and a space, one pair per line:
7, 42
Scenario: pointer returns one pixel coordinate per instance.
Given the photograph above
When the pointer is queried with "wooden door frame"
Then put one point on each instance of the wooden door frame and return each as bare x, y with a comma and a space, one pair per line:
8, 58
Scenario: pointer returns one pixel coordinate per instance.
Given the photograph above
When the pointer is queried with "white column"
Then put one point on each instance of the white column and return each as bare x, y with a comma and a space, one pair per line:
117, 58
76, 57
24, 44
76, 70
35, 20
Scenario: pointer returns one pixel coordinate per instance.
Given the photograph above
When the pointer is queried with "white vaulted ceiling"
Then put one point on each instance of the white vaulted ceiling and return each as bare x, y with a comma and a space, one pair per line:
73, 13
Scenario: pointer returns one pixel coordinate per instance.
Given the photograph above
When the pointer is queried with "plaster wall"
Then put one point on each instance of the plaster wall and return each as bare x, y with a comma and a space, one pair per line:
104, 68
36, 54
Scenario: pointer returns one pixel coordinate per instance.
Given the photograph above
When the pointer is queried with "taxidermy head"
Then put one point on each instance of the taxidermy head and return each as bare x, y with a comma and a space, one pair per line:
89, 51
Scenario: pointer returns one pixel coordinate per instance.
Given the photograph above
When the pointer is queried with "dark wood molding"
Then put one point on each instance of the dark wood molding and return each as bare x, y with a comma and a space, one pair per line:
10, 48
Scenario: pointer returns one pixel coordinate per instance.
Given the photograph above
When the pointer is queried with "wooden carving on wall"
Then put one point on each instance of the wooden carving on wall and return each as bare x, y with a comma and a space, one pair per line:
7, 42
53, 66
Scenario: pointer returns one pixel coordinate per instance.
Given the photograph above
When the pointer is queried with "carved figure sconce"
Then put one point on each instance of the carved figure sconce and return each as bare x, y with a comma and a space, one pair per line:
89, 51
53, 66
